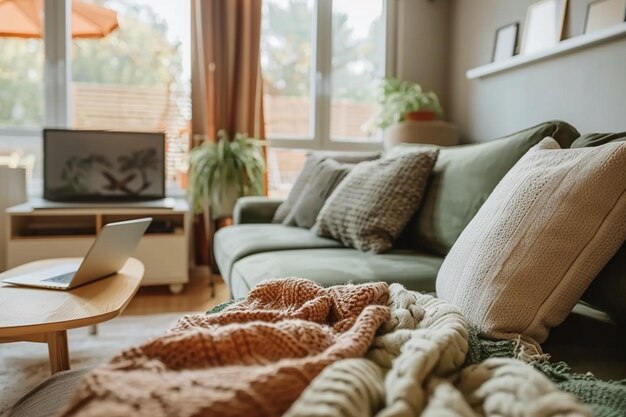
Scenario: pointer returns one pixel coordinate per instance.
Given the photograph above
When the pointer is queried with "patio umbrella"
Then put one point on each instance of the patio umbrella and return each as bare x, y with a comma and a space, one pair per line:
24, 19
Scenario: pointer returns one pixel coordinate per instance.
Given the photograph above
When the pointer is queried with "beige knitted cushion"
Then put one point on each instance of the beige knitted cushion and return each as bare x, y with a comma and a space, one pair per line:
541, 237
371, 206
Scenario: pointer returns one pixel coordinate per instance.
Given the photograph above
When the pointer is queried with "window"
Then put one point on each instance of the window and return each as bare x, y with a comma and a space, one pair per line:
136, 78
286, 60
321, 60
21, 101
357, 63
21, 82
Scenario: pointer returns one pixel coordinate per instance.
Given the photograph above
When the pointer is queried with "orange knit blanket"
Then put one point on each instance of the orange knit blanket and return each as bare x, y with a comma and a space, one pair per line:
252, 359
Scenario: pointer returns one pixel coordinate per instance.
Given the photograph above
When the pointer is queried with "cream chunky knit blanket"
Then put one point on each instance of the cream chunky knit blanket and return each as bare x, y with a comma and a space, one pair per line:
294, 347
415, 368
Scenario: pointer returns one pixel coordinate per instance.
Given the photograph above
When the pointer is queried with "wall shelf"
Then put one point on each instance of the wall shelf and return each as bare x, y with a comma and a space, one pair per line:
564, 47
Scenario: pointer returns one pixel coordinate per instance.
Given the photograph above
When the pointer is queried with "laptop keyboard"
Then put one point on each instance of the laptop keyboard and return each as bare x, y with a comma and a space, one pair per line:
62, 279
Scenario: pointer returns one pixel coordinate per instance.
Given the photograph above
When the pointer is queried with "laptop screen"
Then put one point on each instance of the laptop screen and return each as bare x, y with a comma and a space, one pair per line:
90, 165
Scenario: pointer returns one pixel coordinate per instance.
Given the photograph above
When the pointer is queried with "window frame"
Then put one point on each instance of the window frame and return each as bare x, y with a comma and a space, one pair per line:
321, 83
57, 84
57, 72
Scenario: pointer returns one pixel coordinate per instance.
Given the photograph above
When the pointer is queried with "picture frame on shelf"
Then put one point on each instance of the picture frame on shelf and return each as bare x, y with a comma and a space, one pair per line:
602, 14
544, 25
505, 43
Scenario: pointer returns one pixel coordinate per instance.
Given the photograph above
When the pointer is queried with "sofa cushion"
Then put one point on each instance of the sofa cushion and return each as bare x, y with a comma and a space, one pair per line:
597, 139
312, 160
534, 247
373, 204
417, 271
325, 178
463, 178
608, 290
235, 242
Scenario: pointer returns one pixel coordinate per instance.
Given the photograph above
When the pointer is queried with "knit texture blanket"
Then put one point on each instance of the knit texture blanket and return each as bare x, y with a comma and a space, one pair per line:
294, 348
254, 358
416, 367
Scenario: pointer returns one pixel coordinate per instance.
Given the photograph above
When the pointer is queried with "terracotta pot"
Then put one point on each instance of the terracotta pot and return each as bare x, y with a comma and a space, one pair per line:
420, 116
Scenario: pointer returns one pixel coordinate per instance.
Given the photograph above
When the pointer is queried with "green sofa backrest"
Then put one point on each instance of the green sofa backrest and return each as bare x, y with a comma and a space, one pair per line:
463, 178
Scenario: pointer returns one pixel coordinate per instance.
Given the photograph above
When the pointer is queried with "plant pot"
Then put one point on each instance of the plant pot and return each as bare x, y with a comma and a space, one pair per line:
435, 133
223, 203
420, 116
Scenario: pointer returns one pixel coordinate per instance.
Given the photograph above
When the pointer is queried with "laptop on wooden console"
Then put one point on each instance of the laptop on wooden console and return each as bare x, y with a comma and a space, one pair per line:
113, 246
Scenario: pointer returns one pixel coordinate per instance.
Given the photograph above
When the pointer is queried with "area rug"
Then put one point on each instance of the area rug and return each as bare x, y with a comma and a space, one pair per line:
24, 365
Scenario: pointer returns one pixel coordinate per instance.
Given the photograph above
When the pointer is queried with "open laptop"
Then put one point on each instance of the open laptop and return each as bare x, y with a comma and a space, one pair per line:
113, 246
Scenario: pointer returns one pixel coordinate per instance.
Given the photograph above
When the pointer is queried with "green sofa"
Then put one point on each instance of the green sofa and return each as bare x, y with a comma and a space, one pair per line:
254, 249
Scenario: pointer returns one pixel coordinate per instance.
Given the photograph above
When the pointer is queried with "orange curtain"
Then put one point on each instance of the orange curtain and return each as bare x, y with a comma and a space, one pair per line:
228, 89
226, 81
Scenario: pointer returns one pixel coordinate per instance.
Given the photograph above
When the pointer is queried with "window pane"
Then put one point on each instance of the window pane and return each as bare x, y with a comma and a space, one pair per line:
21, 82
21, 102
138, 78
358, 35
286, 49
283, 167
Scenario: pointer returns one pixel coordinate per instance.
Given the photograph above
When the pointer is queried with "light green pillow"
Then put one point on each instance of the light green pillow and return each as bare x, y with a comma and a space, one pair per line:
597, 139
464, 176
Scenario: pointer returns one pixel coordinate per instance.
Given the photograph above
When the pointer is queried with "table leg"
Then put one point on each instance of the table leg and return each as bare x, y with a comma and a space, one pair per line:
57, 351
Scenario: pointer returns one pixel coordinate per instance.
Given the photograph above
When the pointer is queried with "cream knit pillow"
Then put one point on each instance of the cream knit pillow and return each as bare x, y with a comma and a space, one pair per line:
545, 232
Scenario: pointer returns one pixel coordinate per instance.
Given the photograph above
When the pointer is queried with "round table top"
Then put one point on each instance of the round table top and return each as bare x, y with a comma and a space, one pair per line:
29, 310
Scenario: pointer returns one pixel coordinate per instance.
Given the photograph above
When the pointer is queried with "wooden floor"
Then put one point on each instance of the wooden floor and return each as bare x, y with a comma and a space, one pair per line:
195, 297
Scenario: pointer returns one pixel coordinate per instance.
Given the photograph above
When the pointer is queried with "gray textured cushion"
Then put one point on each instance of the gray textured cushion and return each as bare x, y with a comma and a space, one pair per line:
312, 160
235, 242
371, 206
325, 177
417, 271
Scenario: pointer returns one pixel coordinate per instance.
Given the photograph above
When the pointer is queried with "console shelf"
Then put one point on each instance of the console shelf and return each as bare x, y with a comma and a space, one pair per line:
42, 233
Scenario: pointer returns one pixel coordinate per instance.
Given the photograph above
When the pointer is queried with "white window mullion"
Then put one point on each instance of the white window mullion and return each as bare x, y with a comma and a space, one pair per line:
58, 63
323, 64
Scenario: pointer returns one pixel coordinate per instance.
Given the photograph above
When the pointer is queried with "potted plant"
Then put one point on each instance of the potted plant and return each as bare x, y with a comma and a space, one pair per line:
402, 100
221, 172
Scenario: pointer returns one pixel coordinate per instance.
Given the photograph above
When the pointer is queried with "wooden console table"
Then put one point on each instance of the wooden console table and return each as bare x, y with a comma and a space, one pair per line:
44, 233
42, 315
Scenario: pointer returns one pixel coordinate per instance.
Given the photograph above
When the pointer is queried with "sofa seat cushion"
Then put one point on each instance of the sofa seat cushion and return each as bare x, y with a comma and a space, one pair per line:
417, 271
235, 242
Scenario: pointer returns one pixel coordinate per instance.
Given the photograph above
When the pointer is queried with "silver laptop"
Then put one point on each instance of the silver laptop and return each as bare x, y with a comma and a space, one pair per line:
114, 244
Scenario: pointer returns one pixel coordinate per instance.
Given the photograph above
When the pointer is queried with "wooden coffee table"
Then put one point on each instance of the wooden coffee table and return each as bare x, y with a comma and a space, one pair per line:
42, 315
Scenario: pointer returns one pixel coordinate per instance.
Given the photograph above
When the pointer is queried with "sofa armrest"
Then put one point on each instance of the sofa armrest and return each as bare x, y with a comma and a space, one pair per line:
255, 210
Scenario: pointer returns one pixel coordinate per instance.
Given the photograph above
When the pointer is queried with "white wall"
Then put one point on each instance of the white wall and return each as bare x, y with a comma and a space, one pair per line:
422, 41
586, 88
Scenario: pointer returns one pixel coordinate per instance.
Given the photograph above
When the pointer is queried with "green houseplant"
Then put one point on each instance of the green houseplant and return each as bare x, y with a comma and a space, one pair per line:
221, 172
402, 100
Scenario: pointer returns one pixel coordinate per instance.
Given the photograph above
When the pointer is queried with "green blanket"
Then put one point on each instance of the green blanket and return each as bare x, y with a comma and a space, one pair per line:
604, 398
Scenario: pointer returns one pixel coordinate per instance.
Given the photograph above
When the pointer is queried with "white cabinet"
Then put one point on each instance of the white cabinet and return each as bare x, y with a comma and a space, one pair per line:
34, 234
